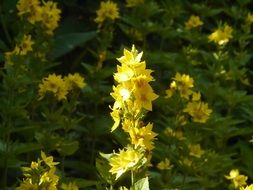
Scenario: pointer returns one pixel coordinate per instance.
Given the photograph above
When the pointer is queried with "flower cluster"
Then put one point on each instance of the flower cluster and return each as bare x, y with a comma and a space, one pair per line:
197, 109
193, 22
221, 36
46, 14
41, 175
237, 179
59, 87
20, 49
133, 97
107, 10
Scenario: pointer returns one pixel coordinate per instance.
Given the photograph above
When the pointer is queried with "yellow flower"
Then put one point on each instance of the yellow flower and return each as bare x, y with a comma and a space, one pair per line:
250, 18
196, 96
196, 151
26, 45
186, 161
53, 84
48, 160
27, 184
107, 10
124, 160
143, 136
131, 58
74, 80
164, 165
237, 179
116, 117
177, 134
69, 186
193, 22
50, 16
199, 111
247, 187
220, 36
27, 6
123, 188
143, 93
134, 3
184, 84
169, 92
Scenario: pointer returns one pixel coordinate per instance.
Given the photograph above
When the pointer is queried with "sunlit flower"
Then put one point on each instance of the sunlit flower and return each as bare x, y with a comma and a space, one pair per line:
124, 161
199, 111
134, 3
247, 187
164, 165
220, 36
193, 22
107, 9
196, 151
237, 179
143, 93
143, 136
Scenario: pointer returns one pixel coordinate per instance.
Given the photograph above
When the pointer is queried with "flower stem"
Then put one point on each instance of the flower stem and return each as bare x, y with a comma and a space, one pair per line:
132, 179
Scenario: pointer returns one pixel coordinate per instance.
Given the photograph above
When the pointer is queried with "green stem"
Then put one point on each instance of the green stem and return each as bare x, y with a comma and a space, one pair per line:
132, 179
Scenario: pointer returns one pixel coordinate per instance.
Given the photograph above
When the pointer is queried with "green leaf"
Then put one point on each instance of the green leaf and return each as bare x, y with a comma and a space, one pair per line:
103, 168
68, 148
142, 184
67, 42
26, 147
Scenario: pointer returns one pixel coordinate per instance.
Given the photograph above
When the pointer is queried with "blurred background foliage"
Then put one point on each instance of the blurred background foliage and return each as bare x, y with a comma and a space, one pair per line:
75, 131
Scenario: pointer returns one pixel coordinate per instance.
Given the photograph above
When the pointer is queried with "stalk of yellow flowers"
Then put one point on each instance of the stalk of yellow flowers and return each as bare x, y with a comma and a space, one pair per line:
133, 98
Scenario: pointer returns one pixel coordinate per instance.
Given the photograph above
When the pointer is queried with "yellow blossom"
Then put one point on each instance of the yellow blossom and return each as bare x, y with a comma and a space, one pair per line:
164, 165
196, 151
196, 96
220, 36
124, 161
27, 184
186, 162
199, 111
193, 22
26, 45
143, 136
27, 6
53, 84
116, 117
107, 9
48, 160
247, 187
69, 186
74, 81
131, 58
143, 93
134, 3
184, 83
250, 18
237, 179
50, 16
123, 188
